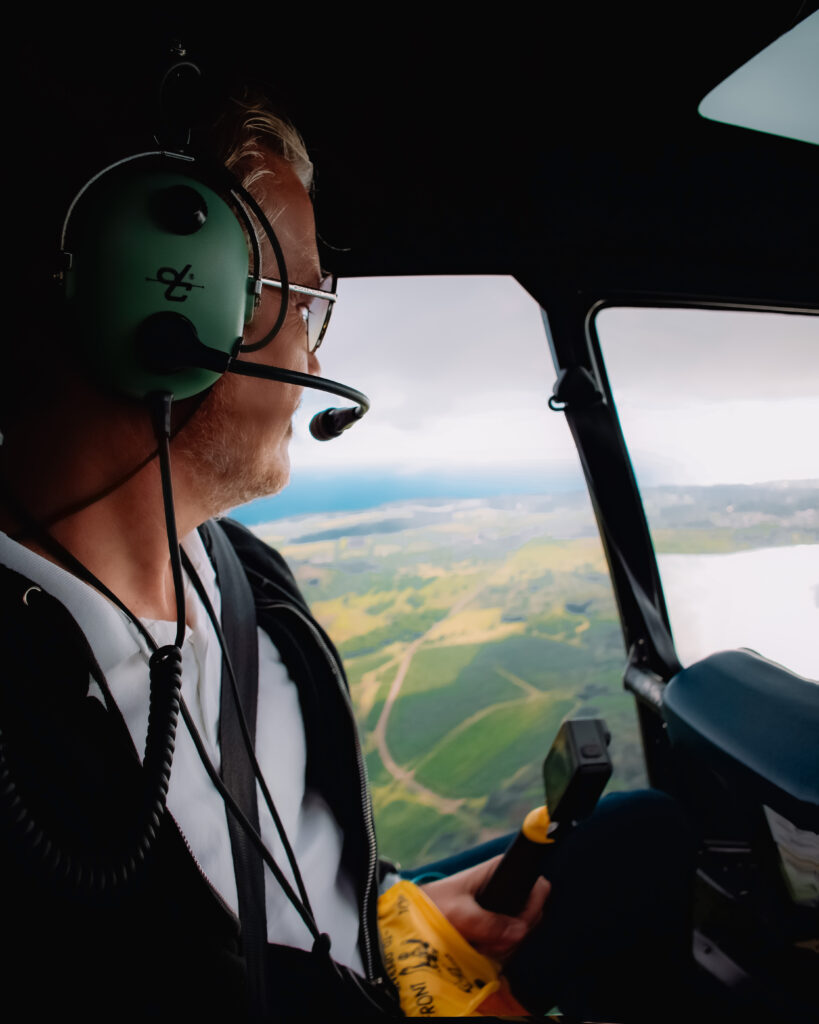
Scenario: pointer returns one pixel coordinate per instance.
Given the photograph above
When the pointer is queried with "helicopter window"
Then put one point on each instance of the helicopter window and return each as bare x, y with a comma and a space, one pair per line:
448, 546
775, 90
720, 412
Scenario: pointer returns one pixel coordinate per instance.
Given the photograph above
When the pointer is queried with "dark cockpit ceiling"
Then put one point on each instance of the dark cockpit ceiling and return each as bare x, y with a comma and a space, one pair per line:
564, 147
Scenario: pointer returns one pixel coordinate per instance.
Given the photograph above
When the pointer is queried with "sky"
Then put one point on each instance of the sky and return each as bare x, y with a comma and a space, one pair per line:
458, 371
713, 397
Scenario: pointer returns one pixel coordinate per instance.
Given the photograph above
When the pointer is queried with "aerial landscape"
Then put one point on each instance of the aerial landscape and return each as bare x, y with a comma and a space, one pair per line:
470, 628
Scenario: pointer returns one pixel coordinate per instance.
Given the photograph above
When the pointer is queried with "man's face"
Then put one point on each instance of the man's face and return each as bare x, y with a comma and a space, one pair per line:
240, 437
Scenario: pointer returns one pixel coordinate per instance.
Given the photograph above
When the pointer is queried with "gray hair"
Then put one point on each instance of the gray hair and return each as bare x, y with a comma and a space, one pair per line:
246, 124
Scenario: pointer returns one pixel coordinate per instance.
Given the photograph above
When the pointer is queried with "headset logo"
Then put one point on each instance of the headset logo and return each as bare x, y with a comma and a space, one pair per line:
174, 280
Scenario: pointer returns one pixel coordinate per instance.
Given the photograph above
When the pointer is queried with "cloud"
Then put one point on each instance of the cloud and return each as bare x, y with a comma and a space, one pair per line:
705, 354
459, 373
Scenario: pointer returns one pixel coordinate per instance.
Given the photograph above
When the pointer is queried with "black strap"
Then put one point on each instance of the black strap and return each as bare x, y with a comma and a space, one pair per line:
239, 627
601, 456
657, 630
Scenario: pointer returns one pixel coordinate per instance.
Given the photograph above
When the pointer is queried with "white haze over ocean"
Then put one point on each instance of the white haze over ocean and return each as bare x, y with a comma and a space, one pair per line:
767, 600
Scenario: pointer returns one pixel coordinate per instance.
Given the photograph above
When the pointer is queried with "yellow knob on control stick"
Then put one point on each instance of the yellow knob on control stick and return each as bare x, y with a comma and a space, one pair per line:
536, 825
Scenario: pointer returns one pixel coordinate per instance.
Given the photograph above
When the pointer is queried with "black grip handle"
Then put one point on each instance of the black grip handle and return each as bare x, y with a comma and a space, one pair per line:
508, 888
575, 773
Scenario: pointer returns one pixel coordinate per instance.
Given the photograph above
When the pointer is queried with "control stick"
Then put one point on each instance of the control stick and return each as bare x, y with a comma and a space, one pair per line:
575, 773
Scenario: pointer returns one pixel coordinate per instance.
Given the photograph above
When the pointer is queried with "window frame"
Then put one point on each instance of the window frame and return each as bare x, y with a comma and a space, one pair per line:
570, 321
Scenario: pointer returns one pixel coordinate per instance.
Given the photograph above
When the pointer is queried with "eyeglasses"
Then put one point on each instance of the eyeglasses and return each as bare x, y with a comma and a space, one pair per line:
317, 311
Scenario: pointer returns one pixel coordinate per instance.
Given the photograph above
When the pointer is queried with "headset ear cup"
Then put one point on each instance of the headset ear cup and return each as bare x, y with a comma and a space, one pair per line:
148, 242
167, 343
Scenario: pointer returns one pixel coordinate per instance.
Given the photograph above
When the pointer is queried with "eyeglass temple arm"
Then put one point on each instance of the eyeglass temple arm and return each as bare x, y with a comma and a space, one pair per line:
300, 288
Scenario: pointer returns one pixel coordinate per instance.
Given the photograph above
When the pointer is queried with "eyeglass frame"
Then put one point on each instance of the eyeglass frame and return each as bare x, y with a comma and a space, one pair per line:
301, 289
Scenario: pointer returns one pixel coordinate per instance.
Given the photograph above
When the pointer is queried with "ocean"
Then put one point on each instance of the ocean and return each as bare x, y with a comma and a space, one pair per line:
347, 492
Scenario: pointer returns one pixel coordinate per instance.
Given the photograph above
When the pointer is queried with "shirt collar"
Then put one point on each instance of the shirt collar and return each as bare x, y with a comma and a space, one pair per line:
110, 633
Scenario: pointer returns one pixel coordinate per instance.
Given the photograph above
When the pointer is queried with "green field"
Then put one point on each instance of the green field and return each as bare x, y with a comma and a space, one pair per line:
499, 639
424, 716
411, 828
493, 746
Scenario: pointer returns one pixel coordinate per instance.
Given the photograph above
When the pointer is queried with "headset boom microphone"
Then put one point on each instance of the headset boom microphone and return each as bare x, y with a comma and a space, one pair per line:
169, 343
324, 426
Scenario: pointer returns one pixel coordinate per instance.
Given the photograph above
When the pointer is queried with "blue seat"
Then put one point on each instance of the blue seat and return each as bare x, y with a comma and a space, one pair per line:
753, 723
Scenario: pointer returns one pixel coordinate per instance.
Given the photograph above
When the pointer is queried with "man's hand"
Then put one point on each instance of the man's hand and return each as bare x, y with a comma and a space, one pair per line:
494, 935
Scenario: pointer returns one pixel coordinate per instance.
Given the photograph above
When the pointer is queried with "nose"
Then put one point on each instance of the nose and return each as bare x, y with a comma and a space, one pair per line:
313, 364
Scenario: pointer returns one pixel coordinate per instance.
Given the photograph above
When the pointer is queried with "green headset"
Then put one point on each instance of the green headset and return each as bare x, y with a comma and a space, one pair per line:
156, 273
155, 269
156, 278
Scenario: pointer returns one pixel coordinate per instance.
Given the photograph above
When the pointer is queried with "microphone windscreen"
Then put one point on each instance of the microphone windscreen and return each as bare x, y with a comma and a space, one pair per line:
330, 423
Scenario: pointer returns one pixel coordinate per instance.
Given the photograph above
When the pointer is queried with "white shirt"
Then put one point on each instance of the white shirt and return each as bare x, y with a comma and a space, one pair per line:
314, 833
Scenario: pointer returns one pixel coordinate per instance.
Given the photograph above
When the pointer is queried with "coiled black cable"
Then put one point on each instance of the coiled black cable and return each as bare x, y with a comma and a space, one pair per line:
83, 873
163, 713
65, 866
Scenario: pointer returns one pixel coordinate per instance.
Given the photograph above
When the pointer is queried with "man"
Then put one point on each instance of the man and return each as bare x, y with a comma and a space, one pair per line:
82, 512
80, 489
